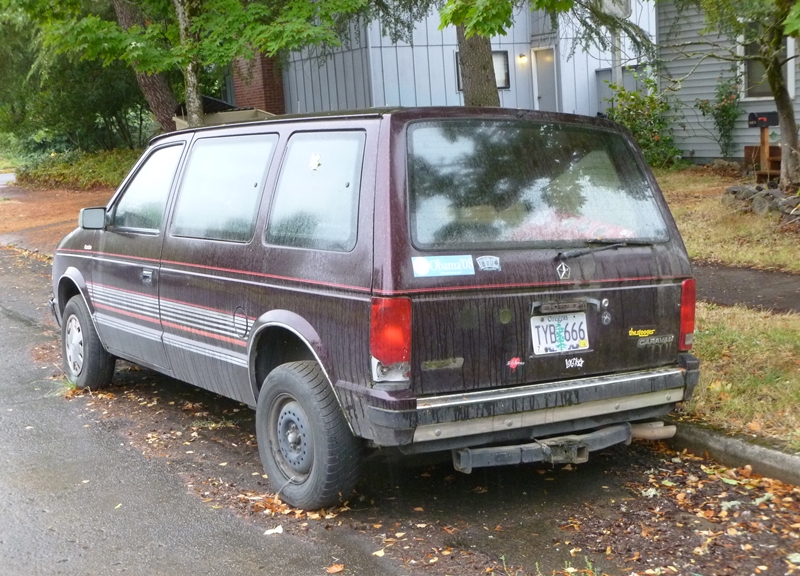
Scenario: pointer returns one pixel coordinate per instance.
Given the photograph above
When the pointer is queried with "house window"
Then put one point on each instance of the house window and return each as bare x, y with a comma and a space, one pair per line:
753, 72
501, 73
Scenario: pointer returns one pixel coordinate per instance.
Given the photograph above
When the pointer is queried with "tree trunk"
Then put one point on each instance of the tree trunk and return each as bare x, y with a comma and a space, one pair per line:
155, 87
477, 70
186, 10
790, 145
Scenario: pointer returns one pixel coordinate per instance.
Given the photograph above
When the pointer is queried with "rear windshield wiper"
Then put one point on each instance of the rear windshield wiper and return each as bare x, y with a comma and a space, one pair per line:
606, 245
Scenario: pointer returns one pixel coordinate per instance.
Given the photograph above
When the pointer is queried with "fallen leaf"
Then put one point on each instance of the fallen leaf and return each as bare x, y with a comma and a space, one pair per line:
449, 529
379, 553
419, 509
399, 534
334, 569
277, 530
755, 426
421, 525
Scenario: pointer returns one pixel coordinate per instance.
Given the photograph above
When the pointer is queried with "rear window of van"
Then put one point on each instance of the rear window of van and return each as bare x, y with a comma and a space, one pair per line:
499, 183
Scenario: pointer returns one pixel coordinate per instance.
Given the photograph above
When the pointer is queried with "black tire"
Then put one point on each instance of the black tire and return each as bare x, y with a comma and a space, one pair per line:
310, 455
86, 362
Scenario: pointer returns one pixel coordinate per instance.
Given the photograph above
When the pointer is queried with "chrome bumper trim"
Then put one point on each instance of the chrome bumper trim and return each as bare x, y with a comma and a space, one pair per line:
429, 432
451, 400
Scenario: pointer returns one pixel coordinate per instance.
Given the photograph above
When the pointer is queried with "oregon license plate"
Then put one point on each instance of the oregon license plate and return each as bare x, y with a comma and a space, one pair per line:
555, 333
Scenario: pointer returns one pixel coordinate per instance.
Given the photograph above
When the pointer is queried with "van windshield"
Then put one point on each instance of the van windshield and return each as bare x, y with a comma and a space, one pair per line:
507, 183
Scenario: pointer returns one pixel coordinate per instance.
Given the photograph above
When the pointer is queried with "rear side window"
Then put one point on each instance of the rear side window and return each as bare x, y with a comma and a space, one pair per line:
498, 183
222, 186
316, 200
144, 199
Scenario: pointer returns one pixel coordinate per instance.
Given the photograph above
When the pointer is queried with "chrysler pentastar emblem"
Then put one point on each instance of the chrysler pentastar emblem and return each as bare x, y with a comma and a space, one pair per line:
563, 271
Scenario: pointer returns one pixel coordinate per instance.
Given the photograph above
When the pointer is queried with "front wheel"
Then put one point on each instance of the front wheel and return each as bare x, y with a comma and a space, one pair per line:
310, 455
86, 362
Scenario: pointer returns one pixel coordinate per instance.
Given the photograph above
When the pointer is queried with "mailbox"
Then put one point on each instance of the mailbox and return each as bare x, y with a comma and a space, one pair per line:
762, 119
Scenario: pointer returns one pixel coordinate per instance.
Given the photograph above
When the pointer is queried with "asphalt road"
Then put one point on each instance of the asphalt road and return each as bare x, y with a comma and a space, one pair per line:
76, 499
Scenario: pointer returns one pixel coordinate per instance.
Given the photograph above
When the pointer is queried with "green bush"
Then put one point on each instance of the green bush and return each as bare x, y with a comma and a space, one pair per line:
79, 170
645, 114
724, 111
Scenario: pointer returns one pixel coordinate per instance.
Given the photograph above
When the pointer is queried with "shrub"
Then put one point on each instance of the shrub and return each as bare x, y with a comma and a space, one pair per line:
79, 170
645, 114
724, 111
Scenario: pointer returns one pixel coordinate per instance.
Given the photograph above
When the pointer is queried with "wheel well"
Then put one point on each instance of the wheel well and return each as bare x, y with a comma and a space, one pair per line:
66, 290
278, 346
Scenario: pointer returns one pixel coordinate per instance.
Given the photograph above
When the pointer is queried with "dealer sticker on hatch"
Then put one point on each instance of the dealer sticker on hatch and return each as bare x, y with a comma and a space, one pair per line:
442, 266
556, 333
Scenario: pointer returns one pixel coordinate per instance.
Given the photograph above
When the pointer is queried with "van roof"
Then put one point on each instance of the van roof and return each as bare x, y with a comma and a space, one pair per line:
414, 114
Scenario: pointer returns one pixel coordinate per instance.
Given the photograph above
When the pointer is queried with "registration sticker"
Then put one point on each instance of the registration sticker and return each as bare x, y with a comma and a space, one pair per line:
555, 333
428, 266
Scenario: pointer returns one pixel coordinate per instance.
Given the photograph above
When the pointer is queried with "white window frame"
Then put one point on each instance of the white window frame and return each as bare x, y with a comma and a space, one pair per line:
506, 86
791, 67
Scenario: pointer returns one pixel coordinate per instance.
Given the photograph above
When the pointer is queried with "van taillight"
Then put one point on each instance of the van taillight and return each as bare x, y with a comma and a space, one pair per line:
390, 330
688, 298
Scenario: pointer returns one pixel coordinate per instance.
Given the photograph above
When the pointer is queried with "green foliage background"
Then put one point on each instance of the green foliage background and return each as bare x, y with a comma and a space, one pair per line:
646, 114
77, 170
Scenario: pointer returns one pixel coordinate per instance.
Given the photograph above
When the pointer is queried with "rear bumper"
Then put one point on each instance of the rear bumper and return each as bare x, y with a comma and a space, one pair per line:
534, 411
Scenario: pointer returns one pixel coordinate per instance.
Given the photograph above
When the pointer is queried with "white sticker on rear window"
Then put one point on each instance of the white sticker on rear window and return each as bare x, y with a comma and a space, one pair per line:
428, 266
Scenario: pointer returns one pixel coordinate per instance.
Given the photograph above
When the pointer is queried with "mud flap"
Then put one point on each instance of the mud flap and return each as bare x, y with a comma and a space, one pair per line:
573, 449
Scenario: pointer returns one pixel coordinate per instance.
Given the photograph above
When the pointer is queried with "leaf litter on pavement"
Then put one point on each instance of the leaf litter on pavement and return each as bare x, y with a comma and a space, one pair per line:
688, 515
683, 514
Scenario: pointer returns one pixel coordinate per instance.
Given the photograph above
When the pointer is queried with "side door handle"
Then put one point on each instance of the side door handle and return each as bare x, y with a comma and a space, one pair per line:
147, 276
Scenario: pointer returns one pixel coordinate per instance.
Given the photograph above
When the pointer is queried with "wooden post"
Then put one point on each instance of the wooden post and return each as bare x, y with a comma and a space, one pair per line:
765, 149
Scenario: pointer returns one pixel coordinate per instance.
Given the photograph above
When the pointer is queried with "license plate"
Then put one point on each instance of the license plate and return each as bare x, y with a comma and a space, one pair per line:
556, 333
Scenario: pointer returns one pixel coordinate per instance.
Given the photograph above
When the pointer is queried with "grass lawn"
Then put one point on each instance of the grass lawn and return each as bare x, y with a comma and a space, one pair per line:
717, 233
749, 372
7, 163
750, 360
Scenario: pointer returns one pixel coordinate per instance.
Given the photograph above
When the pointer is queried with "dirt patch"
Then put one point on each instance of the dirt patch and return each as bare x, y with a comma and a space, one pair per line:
38, 219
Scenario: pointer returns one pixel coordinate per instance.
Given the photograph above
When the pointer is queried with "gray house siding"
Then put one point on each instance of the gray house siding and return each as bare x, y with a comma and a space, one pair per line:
694, 134
585, 73
424, 73
339, 82
373, 71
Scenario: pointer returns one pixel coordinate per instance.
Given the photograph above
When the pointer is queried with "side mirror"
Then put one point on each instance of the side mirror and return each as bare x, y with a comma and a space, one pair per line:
92, 218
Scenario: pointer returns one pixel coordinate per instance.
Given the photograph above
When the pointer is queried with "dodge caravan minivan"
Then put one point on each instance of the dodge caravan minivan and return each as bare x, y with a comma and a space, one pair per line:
505, 285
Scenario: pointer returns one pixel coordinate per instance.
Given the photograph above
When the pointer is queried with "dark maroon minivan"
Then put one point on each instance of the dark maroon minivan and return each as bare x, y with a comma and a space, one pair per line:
503, 284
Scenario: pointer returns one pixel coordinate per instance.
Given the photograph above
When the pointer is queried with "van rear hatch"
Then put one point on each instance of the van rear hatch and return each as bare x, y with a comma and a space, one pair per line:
539, 249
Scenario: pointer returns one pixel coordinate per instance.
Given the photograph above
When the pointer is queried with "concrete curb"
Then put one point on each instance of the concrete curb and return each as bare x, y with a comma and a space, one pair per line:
735, 452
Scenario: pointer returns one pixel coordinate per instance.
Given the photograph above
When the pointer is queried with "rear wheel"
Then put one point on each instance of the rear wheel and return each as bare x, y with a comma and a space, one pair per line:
310, 455
86, 362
